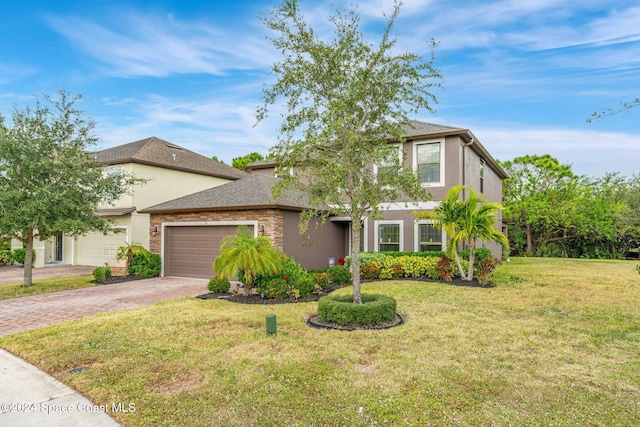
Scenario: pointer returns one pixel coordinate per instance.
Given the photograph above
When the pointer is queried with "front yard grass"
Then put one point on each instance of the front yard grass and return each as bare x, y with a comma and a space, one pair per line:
43, 286
556, 342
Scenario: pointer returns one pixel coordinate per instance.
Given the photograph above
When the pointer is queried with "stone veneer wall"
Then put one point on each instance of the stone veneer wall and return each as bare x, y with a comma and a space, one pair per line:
271, 218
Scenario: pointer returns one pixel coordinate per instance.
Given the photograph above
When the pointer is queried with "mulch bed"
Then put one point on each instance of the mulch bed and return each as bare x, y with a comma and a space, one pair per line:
257, 299
119, 279
316, 322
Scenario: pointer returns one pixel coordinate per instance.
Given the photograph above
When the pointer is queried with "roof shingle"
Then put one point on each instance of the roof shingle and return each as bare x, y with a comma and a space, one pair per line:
253, 191
157, 152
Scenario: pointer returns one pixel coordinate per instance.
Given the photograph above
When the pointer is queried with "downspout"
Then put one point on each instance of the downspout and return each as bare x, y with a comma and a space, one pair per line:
464, 173
464, 162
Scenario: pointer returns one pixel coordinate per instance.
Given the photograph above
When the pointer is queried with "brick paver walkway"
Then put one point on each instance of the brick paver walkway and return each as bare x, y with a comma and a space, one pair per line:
20, 314
14, 273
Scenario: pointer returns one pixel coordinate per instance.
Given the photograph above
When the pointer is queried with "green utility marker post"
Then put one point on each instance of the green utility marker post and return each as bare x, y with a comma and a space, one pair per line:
272, 327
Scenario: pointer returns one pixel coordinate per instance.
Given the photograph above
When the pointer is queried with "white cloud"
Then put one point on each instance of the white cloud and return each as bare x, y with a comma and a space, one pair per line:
151, 45
593, 153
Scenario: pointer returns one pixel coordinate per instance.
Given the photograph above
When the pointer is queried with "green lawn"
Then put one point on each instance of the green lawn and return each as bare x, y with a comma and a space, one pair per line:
556, 342
44, 286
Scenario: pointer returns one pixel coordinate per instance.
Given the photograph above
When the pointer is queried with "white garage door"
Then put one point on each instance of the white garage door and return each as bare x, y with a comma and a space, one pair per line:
97, 249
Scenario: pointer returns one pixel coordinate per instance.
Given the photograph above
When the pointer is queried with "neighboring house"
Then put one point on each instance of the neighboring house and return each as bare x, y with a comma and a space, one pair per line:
171, 171
190, 228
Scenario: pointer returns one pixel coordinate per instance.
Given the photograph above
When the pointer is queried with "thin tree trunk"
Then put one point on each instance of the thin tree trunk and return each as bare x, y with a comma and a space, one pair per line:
529, 239
355, 261
28, 260
472, 259
459, 265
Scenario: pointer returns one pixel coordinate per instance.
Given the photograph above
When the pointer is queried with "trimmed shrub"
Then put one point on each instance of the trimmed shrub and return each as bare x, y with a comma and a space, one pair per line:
101, 274
445, 269
305, 286
219, 285
480, 253
340, 309
145, 265
20, 254
275, 288
370, 271
484, 269
6, 257
420, 254
339, 275
321, 281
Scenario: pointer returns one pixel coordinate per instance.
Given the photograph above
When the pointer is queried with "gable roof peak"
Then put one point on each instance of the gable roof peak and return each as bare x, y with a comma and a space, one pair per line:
155, 151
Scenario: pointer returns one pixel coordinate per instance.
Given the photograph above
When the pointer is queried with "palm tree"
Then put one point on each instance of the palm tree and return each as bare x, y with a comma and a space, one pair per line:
466, 220
446, 216
478, 221
253, 256
127, 252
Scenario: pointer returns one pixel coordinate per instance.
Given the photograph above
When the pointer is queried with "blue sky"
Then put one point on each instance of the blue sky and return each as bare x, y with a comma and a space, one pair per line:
522, 75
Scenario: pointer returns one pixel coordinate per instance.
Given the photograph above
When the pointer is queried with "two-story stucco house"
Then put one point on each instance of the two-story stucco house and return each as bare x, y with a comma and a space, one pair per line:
170, 170
191, 227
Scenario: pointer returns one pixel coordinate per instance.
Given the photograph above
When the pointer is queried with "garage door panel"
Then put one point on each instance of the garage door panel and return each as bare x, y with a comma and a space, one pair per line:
190, 250
96, 249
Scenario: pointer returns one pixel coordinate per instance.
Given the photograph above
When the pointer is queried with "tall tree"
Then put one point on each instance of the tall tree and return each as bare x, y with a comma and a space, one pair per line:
466, 221
345, 98
243, 161
49, 183
535, 192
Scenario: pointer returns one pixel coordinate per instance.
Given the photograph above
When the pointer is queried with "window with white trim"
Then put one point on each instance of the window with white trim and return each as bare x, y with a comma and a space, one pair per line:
430, 238
389, 236
428, 162
389, 166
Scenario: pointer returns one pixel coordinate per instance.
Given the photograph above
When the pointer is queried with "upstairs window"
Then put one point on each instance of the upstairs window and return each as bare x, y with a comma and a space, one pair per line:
389, 166
428, 162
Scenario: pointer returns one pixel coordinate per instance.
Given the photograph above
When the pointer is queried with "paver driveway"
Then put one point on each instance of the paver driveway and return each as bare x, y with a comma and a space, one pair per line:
20, 314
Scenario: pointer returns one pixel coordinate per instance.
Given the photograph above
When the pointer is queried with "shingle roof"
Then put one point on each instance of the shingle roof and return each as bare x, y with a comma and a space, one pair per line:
423, 128
253, 191
157, 152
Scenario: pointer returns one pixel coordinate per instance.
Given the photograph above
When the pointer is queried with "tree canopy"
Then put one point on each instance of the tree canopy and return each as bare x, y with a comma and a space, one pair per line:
345, 99
553, 212
49, 182
243, 161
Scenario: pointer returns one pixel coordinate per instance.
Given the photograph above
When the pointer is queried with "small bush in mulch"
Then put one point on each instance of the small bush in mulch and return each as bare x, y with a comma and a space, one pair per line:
258, 299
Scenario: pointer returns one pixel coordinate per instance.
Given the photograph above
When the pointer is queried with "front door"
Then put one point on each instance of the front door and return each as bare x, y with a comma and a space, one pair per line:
59, 247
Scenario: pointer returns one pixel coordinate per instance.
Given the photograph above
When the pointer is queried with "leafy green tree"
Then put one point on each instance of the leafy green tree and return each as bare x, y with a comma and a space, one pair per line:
446, 216
467, 221
243, 161
345, 99
535, 194
216, 159
253, 256
49, 183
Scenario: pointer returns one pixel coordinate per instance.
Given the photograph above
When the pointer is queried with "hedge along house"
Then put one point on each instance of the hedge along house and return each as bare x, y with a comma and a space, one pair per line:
190, 228
172, 171
442, 156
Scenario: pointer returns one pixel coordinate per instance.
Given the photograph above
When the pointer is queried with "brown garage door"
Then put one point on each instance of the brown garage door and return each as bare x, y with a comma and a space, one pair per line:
190, 251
